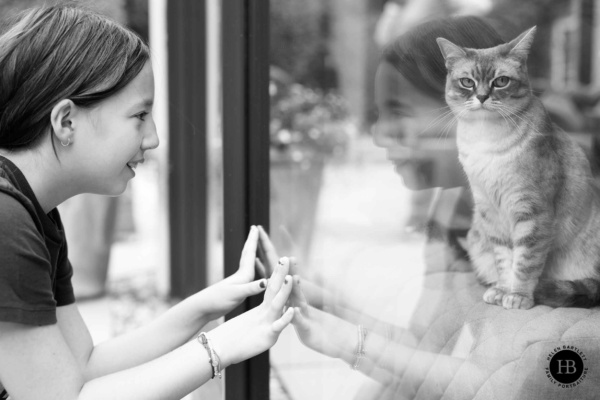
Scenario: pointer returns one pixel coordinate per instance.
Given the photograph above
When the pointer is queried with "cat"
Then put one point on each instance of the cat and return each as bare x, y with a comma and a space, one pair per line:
535, 236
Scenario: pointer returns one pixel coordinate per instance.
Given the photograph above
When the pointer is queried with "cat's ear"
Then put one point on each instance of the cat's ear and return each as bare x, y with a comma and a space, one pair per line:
449, 50
521, 45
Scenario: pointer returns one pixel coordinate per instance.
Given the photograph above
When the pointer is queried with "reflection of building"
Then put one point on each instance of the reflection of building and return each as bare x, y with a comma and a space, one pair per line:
575, 51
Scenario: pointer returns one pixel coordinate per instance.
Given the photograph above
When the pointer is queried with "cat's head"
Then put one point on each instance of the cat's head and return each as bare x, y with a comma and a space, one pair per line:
487, 82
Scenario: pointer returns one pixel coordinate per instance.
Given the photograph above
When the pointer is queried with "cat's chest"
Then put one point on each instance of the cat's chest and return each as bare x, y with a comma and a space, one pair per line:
489, 158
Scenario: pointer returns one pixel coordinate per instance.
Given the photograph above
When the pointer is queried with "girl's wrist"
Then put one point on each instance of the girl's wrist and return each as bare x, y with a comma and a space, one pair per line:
347, 348
221, 347
213, 356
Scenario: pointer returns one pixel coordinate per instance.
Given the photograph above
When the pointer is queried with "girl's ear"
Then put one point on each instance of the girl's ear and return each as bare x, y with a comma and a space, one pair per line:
521, 45
450, 51
61, 119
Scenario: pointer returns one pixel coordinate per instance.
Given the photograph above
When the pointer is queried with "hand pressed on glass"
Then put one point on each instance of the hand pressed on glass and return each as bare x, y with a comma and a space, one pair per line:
257, 330
314, 327
222, 297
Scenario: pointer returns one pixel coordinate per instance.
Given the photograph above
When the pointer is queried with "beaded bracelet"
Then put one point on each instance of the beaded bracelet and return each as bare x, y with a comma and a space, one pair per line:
359, 354
213, 357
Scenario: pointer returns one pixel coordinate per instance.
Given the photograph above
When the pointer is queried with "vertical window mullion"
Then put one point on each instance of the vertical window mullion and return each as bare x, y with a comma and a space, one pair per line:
245, 63
187, 151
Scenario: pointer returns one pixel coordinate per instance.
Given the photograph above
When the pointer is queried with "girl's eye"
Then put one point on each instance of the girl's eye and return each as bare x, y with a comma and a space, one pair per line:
466, 82
141, 116
501, 81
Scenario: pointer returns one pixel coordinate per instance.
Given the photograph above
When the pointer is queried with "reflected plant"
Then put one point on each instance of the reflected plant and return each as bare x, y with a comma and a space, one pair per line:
307, 124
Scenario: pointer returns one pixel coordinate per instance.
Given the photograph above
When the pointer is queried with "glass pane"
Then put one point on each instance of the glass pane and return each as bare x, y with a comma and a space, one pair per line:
369, 196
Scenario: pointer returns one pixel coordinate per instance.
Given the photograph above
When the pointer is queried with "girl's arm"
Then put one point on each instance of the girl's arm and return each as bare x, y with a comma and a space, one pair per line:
387, 361
168, 331
37, 362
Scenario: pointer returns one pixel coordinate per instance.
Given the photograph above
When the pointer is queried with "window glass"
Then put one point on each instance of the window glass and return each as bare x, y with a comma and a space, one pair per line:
369, 197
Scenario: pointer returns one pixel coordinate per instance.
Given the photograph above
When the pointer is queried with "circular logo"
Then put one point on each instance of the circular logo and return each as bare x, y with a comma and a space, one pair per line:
566, 367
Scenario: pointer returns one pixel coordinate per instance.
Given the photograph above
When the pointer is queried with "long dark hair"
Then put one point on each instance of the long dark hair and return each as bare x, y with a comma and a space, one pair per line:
417, 56
60, 52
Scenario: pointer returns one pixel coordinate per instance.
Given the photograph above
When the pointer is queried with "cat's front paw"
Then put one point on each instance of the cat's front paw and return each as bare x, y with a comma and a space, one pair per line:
517, 302
494, 295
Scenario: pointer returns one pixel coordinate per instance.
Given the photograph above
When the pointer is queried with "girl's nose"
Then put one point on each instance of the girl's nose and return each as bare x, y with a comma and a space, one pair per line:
387, 134
151, 140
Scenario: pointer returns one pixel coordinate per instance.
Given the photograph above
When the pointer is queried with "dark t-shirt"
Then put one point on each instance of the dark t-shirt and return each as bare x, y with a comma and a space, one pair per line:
35, 274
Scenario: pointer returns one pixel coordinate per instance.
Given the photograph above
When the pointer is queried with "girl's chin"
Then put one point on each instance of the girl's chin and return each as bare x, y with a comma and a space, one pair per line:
412, 180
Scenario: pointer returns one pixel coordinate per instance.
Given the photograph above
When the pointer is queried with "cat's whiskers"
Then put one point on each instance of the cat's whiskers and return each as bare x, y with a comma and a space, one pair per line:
446, 128
433, 110
438, 120
514, 112
509, 120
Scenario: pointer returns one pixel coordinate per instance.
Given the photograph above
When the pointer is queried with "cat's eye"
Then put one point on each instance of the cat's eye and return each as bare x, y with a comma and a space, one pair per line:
501, 81
466, 82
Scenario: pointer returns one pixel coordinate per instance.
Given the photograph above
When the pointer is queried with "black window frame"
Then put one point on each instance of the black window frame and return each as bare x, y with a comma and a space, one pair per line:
245, 76
245, 105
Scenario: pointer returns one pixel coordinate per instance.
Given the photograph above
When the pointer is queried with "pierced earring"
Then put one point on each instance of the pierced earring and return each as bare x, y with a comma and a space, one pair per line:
66, 144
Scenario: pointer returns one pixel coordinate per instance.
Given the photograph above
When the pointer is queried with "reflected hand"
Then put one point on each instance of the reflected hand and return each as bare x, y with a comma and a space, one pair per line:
217, 300
256, 330
267, 254
320, 331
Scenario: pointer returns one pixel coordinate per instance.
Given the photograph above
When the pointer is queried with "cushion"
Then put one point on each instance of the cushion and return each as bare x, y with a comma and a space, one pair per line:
483, 351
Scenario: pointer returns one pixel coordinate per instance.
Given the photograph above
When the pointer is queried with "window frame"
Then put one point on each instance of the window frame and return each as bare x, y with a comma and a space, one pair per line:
245, 76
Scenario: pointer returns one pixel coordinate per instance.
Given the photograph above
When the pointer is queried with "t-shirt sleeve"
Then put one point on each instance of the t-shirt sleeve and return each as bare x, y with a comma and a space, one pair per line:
25, 269
63, 293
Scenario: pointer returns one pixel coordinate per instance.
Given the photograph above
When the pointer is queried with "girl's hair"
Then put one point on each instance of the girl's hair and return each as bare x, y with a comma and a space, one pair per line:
417, 56
60, 52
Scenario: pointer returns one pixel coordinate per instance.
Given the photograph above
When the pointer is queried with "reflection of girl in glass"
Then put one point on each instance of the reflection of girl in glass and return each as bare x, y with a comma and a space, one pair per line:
416, 128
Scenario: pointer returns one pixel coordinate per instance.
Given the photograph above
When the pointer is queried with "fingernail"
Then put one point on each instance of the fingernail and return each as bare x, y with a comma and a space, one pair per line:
281, 260
263, 284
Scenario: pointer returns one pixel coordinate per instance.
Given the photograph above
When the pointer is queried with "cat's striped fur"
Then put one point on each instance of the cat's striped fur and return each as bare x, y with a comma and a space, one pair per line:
535, 236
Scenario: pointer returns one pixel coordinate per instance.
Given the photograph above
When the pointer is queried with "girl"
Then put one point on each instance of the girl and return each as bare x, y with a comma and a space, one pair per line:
76, 94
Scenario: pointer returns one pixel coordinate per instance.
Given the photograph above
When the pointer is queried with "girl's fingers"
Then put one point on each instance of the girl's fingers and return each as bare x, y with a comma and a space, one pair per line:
299, 319
249, 252
260, 269
282, 296
297, 298
293, 266
253, 288
281, 270
267, 249
284, 321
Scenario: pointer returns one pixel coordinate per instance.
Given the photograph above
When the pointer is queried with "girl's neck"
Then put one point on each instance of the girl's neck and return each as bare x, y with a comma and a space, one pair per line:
44, 175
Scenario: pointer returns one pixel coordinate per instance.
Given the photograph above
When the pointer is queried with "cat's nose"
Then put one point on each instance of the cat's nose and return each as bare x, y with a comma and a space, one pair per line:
482, 97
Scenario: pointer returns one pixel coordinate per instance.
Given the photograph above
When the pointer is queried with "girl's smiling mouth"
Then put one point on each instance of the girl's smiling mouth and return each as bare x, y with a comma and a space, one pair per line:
132, 165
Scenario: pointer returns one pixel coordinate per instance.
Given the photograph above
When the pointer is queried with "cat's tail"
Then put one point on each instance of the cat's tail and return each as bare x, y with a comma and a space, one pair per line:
579, 293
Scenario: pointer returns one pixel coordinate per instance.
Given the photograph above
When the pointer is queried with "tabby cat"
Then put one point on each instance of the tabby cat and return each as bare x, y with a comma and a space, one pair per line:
535, 236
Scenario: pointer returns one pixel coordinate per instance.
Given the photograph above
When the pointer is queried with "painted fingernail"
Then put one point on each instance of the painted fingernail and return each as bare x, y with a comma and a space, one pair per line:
263, 284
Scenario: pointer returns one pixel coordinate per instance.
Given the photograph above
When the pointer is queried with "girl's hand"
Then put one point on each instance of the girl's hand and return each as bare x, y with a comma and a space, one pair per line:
217, 300
256, 330
267, 255
320, 331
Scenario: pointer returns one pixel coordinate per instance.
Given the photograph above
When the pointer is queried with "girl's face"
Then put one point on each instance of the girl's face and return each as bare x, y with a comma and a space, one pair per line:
417, 131
111, 138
